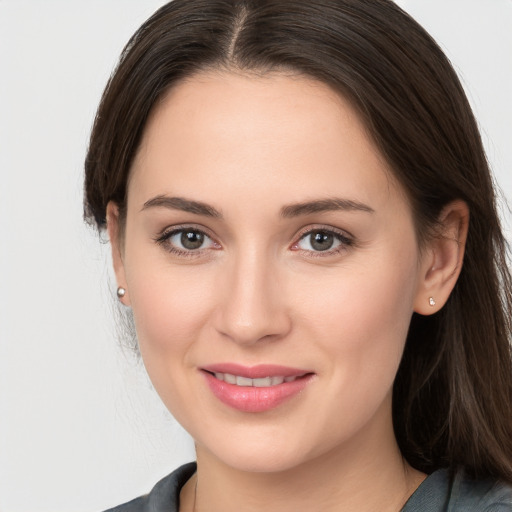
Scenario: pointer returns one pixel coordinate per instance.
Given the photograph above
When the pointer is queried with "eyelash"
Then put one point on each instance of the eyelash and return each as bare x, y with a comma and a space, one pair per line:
345, 241
164, 238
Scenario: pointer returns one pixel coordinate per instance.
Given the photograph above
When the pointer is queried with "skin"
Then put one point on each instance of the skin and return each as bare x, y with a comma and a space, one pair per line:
257, 292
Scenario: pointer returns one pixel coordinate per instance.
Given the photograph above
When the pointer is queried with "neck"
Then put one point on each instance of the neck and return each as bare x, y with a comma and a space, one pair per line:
368, 475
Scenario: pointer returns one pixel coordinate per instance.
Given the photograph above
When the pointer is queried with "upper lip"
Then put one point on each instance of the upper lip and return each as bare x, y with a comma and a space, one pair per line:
255, 372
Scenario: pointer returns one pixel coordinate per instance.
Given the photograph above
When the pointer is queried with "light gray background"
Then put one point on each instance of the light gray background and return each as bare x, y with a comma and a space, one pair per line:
80, 427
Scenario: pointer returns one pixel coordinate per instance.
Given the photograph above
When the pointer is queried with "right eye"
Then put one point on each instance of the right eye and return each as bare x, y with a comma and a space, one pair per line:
186, 241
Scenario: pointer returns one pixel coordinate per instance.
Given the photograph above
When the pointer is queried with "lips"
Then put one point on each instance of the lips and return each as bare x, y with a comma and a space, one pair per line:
255, 389
262, 382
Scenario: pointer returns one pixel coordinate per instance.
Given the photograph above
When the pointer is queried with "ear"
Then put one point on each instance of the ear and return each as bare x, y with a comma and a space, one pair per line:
442, 259
116, 245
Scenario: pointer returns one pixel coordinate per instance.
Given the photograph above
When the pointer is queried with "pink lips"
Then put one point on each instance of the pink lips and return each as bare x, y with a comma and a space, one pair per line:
255, 399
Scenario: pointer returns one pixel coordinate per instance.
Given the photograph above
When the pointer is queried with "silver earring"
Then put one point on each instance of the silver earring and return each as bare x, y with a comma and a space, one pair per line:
121, 292
431, 301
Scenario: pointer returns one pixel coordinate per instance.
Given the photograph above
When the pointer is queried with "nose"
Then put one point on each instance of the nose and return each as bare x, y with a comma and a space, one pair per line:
252, 306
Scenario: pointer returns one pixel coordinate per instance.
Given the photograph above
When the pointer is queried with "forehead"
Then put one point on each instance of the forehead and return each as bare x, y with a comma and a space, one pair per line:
257, 132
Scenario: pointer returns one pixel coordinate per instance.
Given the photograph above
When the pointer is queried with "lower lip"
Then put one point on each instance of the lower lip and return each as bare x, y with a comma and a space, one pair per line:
253, 399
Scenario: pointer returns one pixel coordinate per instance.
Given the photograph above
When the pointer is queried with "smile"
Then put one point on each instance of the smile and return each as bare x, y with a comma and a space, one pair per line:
264, 382
255, 389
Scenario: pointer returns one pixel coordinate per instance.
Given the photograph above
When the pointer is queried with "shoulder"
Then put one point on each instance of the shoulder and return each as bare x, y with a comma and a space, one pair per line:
488, 495
164, 497
442, 492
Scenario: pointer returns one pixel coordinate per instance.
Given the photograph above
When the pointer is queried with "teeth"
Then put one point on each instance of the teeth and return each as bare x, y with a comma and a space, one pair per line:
243, 381
264, 382
230, 379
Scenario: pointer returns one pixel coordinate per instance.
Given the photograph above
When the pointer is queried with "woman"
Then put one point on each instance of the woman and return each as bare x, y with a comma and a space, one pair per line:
303, 223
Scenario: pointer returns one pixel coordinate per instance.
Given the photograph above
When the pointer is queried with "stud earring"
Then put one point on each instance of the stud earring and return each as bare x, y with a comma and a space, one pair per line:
431, 301
121, 292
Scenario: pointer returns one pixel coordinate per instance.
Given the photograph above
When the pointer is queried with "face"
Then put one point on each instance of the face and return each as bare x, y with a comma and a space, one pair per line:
272, 266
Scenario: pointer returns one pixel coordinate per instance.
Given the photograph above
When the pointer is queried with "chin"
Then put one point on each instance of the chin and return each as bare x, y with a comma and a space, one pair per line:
261, 463
272, 455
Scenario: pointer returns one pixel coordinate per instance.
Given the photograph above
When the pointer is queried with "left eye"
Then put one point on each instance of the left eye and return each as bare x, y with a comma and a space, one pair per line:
320, 240
188, 240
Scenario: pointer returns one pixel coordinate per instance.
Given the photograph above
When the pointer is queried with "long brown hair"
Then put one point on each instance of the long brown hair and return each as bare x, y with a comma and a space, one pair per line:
452, 403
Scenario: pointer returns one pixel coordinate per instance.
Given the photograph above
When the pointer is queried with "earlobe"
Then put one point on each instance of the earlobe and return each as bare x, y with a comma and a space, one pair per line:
116, 245
442, 261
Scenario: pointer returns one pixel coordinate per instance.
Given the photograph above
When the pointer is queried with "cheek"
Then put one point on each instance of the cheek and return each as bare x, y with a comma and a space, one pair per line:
170, 304
359, 324
170, 311
361, 317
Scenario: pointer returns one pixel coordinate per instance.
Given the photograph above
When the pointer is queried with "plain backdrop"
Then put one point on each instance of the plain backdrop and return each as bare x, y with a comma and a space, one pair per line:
80, 426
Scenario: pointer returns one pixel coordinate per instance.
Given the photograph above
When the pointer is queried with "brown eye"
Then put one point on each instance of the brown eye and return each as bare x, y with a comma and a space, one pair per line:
321, 241
191, 240
186, 241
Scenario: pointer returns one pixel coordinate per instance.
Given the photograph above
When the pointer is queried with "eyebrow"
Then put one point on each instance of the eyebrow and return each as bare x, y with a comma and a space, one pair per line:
185, 205
324, 205
289, 211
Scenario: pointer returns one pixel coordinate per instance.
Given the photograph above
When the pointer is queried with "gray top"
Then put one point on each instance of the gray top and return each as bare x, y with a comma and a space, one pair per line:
437, 493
